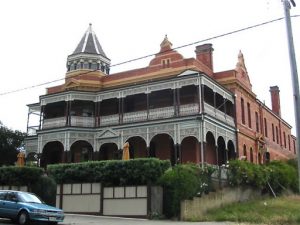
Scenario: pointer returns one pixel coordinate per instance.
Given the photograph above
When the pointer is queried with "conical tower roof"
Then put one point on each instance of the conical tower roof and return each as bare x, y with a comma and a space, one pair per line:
89, 43
88, 54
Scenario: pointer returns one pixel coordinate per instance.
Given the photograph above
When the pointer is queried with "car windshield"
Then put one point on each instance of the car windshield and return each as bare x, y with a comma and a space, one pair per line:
27, 197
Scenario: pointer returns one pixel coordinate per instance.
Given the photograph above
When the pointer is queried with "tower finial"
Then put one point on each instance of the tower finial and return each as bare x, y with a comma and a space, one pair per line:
166, 43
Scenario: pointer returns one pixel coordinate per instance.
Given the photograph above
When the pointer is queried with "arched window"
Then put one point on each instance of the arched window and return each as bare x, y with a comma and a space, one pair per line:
294, 145
243, 111
277, 135
266, 127
251, 155
245, 152
273, 132
257, 121
284, 139
249, 114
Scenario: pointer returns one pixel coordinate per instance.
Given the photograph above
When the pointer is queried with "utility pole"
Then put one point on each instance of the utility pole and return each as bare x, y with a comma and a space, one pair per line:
294, 73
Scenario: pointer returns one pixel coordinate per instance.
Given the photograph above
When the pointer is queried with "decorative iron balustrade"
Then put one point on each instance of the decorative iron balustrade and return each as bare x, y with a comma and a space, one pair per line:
138, 116
189, 109
109, 120
54, 122
161, 113
82, 121
135, 116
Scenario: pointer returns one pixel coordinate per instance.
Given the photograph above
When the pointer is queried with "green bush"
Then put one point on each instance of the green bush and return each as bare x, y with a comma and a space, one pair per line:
246, 173
45, 188
206, 185
12, 175
180, 182
111, 172
293, 163
282, 176
33, 178
278, 174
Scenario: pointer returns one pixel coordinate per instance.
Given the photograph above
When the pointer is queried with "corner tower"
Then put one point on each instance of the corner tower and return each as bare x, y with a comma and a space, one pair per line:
87, 64
88, 54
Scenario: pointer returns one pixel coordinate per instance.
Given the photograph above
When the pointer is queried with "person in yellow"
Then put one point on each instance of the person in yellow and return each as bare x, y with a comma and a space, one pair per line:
21, 159
126, 151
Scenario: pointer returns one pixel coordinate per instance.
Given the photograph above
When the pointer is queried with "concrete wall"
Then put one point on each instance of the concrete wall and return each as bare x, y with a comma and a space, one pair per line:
116, 201
15, 188
79, 198
92, 198
196, 208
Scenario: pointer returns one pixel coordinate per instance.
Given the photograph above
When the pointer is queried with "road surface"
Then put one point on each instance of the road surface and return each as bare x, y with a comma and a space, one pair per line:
71, 219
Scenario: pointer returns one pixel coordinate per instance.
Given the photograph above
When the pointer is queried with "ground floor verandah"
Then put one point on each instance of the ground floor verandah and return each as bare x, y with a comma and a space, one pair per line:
180, 142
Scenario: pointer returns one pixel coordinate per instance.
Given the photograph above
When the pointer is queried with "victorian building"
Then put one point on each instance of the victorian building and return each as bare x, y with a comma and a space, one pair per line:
176, 108
262, 134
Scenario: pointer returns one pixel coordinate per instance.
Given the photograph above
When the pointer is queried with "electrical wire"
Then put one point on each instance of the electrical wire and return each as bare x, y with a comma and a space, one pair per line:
153, 54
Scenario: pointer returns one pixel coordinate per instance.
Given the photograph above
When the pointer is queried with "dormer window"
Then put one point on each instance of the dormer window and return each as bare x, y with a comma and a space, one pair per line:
166, 63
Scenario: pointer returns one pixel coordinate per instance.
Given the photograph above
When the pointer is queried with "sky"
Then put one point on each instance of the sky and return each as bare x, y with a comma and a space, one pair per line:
37, 36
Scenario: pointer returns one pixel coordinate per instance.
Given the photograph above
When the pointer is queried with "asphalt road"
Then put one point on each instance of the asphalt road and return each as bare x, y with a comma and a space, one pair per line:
103, 220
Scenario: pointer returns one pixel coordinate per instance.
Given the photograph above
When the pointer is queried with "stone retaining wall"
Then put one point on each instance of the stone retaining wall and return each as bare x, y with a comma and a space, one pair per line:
196, 208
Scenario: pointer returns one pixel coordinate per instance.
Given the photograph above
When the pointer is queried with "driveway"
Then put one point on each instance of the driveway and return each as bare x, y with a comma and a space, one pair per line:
91, 220
71, 219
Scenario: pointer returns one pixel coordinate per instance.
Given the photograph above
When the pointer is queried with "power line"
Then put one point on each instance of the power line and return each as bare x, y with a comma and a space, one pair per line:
153, 54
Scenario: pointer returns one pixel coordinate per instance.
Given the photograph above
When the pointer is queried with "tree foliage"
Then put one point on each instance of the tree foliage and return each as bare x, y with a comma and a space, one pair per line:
279, 175
10, 141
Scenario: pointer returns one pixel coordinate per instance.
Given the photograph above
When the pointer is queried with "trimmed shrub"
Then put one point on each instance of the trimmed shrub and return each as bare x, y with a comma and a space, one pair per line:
33, 178
180, 182
12, 175
111, 172
45, 188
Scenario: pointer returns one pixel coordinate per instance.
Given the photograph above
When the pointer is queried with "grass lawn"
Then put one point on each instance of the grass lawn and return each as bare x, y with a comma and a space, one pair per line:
275, 211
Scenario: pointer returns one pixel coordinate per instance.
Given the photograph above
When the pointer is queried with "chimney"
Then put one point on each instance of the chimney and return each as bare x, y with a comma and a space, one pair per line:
204, 54
275, 99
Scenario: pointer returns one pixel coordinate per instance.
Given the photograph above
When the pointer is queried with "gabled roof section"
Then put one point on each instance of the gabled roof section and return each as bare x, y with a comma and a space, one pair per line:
242, 73
166, 56
166, 45
89, 43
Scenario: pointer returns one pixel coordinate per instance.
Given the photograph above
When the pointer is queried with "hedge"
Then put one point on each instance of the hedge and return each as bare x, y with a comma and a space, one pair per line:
110, 172
14, 175
32, 177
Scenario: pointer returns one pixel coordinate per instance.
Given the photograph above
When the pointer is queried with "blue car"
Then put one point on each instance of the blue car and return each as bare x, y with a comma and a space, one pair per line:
23, 207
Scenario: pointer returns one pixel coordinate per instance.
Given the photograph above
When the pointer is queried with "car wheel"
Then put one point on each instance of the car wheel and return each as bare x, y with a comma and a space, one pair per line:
23, 218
